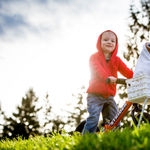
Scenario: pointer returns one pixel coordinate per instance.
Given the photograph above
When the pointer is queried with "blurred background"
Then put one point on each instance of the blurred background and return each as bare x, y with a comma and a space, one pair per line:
45, 47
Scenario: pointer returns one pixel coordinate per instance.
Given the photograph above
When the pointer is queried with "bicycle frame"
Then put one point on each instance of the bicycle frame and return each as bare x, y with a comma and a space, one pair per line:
121, 112
118, 116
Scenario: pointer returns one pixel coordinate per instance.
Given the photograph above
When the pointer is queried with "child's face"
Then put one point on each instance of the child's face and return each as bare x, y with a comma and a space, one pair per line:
108, 42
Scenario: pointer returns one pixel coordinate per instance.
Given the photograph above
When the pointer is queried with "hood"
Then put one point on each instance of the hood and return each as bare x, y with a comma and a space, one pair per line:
98, 45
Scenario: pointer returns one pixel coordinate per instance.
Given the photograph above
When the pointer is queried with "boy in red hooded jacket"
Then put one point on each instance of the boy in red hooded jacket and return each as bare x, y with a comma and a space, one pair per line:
104, 64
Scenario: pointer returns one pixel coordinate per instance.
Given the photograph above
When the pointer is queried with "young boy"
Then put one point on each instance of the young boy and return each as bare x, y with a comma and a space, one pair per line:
103, 64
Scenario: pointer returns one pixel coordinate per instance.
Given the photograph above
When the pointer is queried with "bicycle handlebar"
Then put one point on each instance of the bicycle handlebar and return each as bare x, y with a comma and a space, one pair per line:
119, 81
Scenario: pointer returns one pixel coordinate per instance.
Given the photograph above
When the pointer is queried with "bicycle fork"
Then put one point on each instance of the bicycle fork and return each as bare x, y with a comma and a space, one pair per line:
118, 116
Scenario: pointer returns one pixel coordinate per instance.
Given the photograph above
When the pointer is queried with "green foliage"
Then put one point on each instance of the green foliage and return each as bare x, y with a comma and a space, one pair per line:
79, 110
47, 111
139, 29
25, 122
1, 118
136, 139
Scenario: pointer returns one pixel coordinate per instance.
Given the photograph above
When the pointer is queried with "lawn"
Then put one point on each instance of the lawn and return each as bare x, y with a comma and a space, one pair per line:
131, 139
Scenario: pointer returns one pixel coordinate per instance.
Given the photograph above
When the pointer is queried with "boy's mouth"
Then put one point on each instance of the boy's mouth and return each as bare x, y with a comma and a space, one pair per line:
108, 46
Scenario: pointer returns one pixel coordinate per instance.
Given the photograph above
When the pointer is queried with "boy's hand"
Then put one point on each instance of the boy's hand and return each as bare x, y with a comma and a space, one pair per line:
112, 80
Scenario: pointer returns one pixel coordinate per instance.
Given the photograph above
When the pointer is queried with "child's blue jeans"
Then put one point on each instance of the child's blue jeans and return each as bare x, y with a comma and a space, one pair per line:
95, 105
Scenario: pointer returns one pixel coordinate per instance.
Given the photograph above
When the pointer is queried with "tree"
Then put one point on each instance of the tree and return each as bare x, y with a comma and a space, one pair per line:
52, 122
2, 114
77, 115
139, 31
58, 124
139, 28
47, 120
25, 122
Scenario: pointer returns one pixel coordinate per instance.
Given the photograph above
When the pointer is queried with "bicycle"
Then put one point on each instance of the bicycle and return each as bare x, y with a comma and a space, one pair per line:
121, 113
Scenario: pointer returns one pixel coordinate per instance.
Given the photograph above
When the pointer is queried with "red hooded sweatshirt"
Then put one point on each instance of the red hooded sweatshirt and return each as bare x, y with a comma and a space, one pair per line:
101, 70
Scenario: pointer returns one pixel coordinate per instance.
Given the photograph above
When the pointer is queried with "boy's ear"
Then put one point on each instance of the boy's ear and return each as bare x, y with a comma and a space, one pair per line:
148, 46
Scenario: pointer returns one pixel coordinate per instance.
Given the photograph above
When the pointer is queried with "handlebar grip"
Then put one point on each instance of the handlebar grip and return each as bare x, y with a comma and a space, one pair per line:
119, 81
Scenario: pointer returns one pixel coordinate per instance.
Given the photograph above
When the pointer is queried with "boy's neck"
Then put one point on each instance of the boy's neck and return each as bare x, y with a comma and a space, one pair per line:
107, 55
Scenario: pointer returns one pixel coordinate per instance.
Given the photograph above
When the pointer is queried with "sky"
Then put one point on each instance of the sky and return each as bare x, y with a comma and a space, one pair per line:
46, 45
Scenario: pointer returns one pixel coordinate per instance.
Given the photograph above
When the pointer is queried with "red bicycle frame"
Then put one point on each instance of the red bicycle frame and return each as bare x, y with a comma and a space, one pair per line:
118, 116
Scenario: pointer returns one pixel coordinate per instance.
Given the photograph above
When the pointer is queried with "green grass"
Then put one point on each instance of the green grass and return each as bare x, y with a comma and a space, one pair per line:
135, 139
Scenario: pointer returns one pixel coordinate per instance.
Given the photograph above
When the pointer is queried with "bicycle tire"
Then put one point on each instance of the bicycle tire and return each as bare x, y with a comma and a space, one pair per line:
135, 118
80, 127
145, 118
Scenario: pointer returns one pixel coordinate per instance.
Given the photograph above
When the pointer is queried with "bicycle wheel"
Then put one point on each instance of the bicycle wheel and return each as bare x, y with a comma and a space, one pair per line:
145, 118
80, 127
136, 117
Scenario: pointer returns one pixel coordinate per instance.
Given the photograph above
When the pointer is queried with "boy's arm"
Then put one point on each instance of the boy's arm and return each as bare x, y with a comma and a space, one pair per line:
124, 70
96, 67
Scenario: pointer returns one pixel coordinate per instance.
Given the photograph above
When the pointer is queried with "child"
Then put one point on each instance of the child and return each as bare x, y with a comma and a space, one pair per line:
143, 64
103, 64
